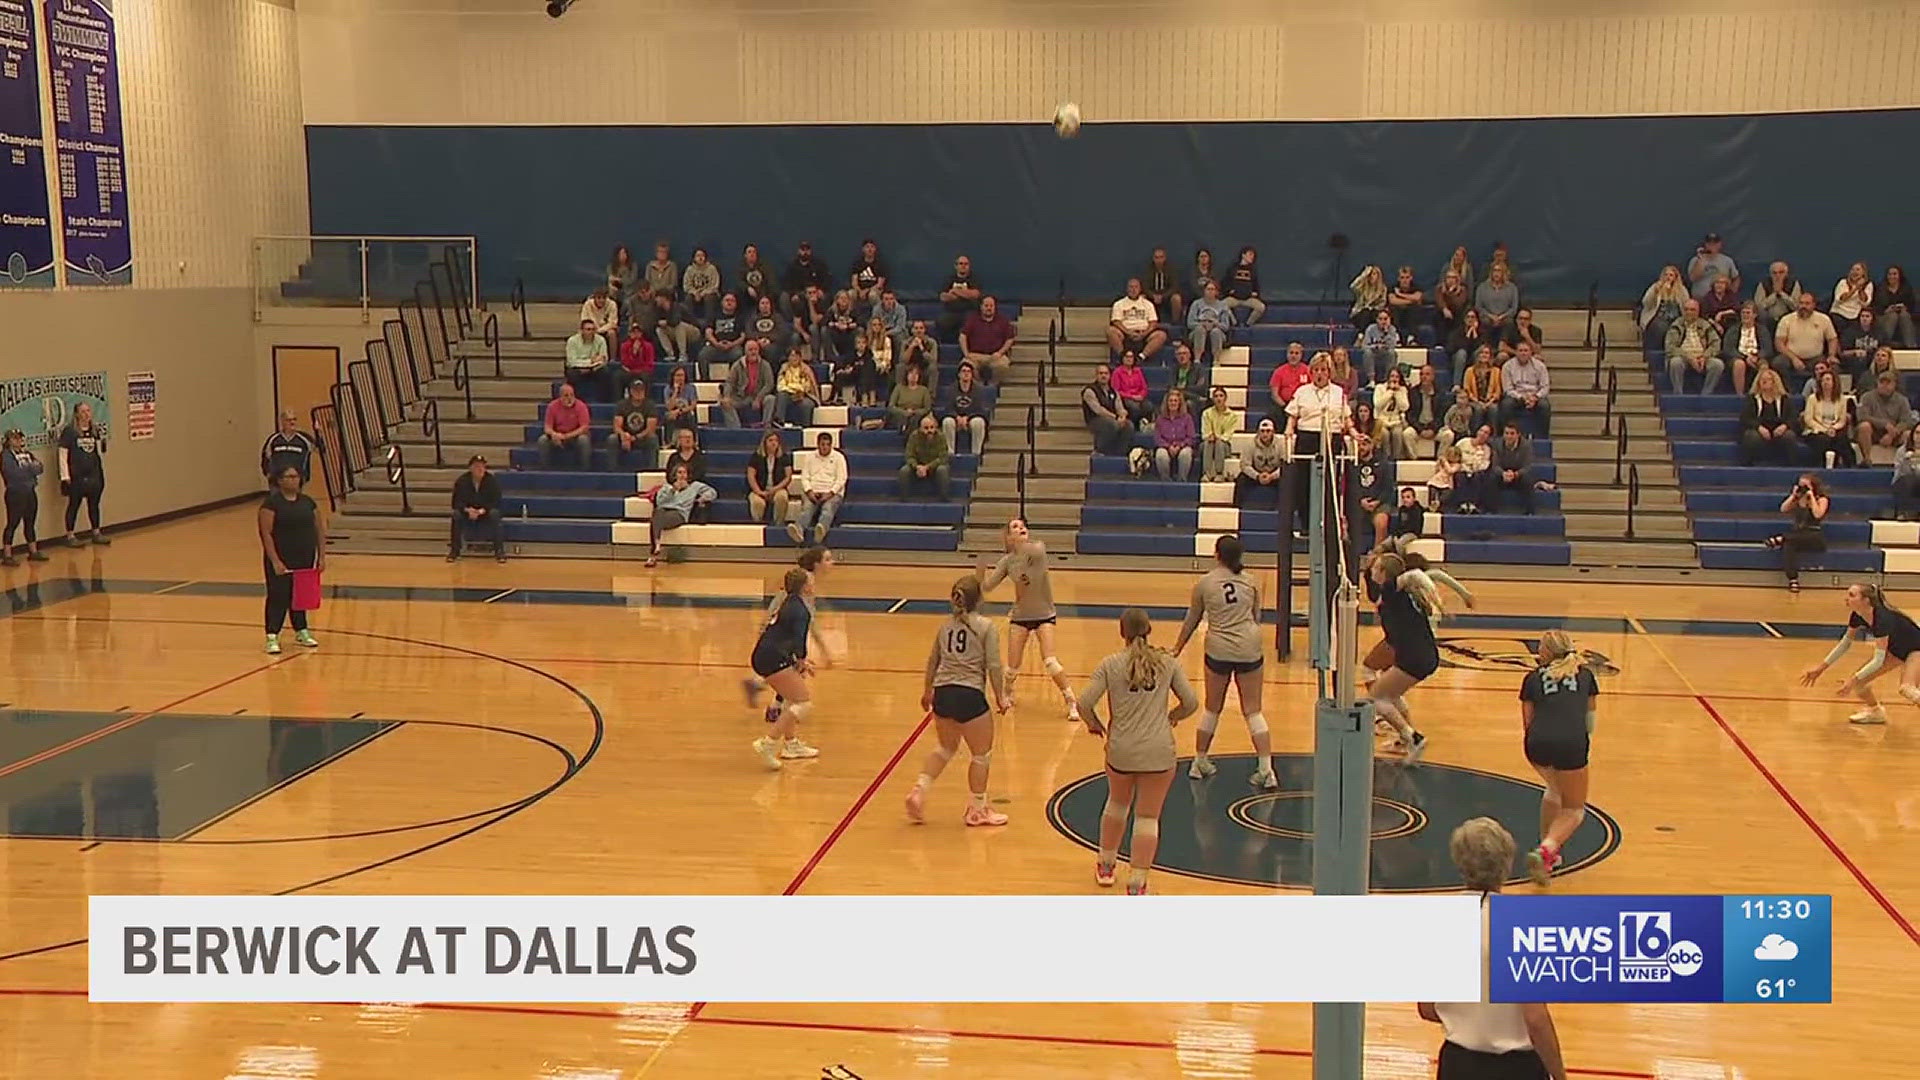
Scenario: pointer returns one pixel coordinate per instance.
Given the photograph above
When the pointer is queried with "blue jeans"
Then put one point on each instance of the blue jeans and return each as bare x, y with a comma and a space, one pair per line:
816, 513
786, 407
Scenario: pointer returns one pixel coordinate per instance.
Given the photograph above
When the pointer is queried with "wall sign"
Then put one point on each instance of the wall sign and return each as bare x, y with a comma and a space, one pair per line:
90, 145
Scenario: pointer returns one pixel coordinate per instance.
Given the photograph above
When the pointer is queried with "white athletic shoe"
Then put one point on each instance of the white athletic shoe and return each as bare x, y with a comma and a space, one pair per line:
1416, 748
1201, 768
768, 752
305, 637
1911, 693
273, 644
1875, 714
1264, 778
797, 749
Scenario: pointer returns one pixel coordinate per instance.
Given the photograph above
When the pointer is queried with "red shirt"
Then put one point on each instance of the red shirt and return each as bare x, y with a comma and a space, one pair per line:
1290, 377
567, 421
637, 356
987, 336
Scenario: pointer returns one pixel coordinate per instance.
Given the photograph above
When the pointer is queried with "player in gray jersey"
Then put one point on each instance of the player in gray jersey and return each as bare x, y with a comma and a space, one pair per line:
1140, 750
816, 561
1229, 600
964, 663
1033, 614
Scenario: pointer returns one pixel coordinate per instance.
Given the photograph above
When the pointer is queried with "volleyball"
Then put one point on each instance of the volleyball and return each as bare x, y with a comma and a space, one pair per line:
1066, 120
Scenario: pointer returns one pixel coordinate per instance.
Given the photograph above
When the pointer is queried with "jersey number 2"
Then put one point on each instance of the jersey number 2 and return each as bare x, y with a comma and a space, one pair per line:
1233, 597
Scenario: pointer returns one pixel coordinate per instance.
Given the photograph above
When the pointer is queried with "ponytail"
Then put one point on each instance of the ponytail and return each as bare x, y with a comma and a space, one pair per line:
1230, 552
965, 596
1558, 656
1143, 659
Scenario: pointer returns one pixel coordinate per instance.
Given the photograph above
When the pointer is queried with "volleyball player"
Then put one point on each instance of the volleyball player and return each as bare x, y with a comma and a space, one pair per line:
1140, 751
964, 662
1230, 602
815, 561
1033, 612
1893, 633
1408, 608
1488, 1040
1380, 658
1556, 711
780, 657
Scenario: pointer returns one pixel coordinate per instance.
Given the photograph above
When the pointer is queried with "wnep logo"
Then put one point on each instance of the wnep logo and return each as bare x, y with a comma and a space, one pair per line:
1604, 948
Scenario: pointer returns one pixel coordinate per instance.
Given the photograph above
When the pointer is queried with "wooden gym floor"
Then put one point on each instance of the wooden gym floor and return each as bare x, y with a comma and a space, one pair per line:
548, 727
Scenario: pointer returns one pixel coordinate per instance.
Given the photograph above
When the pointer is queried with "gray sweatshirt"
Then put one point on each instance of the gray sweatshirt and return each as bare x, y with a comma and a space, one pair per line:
22, 469
1501, 300
664, 277
701, 280
1259, 459
1888, 410
1517, 458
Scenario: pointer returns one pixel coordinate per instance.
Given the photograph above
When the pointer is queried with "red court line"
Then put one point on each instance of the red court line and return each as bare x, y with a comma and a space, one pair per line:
1095, 1041
127, 722
859, 804
1819, 832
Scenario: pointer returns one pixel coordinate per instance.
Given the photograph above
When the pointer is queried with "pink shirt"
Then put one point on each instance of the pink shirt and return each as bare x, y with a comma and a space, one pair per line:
565, 420
1130, 382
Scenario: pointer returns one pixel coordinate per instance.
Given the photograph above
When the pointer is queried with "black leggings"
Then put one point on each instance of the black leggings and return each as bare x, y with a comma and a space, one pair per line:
87, 491
23, 508
1796, 542
1459, 1063
280, 602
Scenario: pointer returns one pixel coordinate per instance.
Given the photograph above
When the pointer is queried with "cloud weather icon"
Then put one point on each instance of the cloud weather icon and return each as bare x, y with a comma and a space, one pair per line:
1775, 947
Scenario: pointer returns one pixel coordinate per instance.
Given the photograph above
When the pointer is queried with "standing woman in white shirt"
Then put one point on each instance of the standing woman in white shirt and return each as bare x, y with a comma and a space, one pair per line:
1318, 408
1484, 1040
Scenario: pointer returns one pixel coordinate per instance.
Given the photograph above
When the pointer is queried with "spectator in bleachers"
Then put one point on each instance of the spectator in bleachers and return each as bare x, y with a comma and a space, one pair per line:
726, 333
1409, 520
768, 327
1344, 374
1693, 342
1365, 422
965, 404
1721, 305
986, 339
809, 321
635, 442
796, 392
1187, 376
1452, 300
600, 310
1217, 427
1859, 341
870, 275
1173, 438
1885, 416
1380, 345
1203, 272
1882, 362
1130, 382
1826, 367
1806, 507
920, 351
769, 479
638, 357
892, 315
841, 324
1484, 388
1373, 481
1746, 347
1474, 488
749, 385
1461, 418
700, 288
681, 404
1207, 322
1512, 468
1262, 464
843, 374
1390, 401
1133, 325
622, 275
823, 484
1458, 263
1289, 377
1660, 305
911, 399
686, 452
1424, 410
755, 280
1442, 490
1161, 284
958, 300
1497, 300
1893, 307
1318, 410
679, 338
1407, 302
644, 310
1826, 421
805, 272
1767, 423
1522, 328
869, 377
1906, 479
567, 429
586, 371
1369, 289
681, 500
1710, 262
476, 509
1526, 383
1851, 294
1777, 295
663, 273
1500, 257
880, 347
929, 458
1802, 340
1243, 287
1465, 343
1101, 411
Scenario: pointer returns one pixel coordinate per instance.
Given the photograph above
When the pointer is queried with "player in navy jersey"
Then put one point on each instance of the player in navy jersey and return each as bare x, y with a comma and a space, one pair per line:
1556, 709
780, 657
1893, 633
815, 561
1408, 608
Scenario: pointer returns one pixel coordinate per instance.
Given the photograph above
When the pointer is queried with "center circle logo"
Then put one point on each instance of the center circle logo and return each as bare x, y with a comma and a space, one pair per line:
1224, 829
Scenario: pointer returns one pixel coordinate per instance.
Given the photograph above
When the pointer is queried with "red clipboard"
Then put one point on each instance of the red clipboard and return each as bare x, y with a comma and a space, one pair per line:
306, 590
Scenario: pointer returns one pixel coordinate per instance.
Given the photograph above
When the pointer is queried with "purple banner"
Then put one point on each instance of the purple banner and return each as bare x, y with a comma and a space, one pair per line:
84, 70
26, 229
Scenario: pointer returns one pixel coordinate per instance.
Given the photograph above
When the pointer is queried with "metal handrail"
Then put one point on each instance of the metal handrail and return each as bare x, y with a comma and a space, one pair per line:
1633, 491
462, 381
447, 340
1599, 355
1040, 387
518, 301
1613, 392
463, 296
397, 476
490, 337
1020, 484
1033, 450
1593, 312
334, 470
1620, 450
1052, 364
430, 427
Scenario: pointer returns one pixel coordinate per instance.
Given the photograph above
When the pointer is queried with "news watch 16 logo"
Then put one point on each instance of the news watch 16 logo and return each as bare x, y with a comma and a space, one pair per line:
1605, 948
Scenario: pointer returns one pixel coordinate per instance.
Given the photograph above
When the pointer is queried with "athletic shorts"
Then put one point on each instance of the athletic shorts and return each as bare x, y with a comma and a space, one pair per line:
1459, 1063
1552, 750
1420, 664
1380, 657
1034, 624
1234, 667
767, 662
960, 703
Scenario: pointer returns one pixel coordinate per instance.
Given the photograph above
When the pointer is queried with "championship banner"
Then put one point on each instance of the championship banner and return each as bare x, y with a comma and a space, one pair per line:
84, 69
41, 405
26, 222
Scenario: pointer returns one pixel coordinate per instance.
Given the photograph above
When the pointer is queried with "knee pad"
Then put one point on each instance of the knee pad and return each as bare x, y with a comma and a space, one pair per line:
1257, 724
1146, 828
799, 709
1053, 666
984, 758
1114, 811
1208, 721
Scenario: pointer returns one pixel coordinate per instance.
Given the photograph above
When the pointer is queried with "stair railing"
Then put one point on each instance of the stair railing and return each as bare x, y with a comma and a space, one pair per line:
1633, 491
1599, 355
1620, 451
1613, 392
1593, 313
1031, 459
1020, 484
518, 301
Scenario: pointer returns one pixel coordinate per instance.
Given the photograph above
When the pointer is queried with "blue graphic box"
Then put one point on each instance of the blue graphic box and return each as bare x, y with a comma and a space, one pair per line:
1605, 948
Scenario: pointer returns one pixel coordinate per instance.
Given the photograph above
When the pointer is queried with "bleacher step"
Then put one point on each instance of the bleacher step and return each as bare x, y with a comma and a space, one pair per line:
1649, 553
1609, 526
993, 513
1610, 498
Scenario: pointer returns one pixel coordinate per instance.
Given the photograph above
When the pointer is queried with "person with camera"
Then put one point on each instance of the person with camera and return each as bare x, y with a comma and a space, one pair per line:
1806, 506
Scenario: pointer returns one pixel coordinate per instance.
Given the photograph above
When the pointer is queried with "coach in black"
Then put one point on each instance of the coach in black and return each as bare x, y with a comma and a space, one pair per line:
476, 506
288, 446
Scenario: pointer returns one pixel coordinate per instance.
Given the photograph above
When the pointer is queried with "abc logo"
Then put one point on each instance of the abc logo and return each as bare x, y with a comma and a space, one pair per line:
1685, 958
